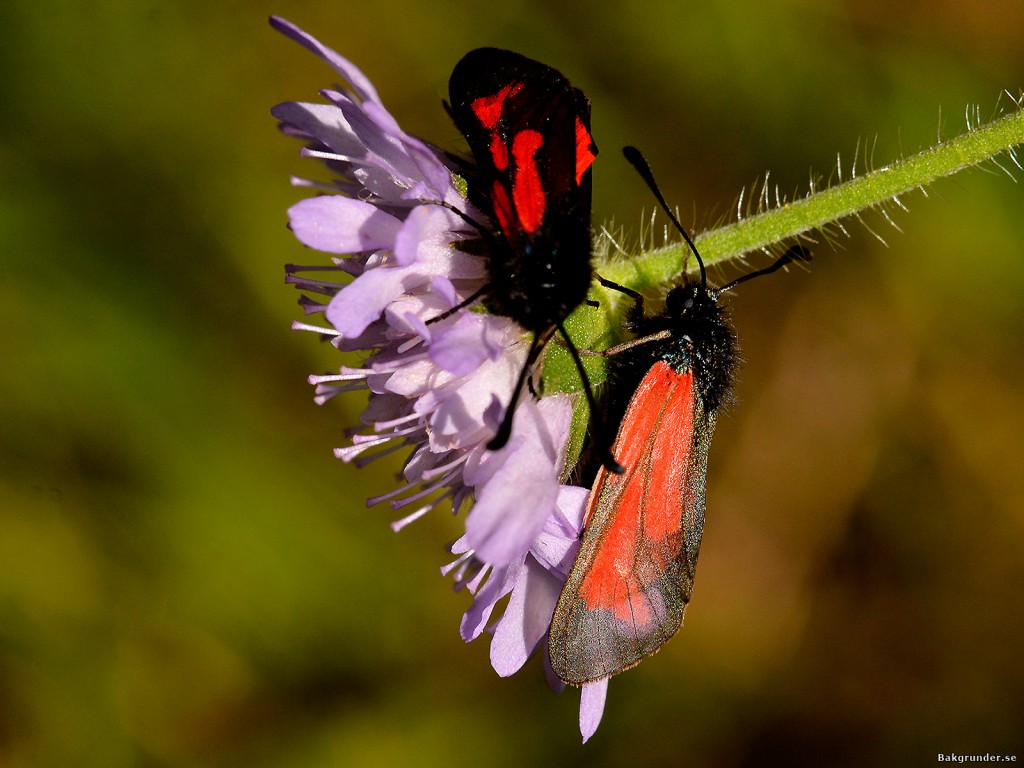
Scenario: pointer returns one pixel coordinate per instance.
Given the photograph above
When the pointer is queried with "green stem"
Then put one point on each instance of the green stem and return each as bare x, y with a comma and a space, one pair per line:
877, 188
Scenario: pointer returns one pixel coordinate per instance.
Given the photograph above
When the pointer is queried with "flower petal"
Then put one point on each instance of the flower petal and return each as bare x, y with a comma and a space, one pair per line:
372, 125
337, 224
342, 66
557, 545
511, 508
526, 619
458, 407
443, 287
461, 348
572, 505
592, 699
363, 300
496, 587
323, 122
425, 236
436, 175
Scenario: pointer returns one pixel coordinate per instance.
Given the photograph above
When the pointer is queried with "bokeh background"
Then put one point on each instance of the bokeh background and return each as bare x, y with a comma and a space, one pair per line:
187, 576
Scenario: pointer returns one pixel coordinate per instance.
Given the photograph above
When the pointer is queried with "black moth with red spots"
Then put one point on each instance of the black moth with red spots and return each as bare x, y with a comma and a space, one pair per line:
529, 131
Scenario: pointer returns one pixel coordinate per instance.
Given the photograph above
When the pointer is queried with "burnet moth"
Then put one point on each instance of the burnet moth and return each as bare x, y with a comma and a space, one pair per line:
528, 130
628, 589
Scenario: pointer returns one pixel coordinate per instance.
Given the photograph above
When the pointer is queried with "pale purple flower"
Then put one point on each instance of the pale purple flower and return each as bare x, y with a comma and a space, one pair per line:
535, 581
436, 389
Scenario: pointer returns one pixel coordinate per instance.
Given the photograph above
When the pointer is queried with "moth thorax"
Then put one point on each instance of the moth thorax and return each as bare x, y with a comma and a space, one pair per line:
704, 341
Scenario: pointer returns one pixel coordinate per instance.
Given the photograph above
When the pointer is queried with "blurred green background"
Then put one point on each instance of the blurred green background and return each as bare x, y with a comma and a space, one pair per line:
187, 576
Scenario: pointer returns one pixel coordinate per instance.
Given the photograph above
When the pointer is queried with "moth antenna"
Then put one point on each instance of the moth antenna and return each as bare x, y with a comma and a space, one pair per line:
793, 253
639, 162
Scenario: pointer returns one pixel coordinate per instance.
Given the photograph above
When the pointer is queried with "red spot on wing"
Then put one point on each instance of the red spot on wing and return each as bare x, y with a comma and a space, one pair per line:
585, 150
489, 109
527, 189
502, 208
499, 152
642, 508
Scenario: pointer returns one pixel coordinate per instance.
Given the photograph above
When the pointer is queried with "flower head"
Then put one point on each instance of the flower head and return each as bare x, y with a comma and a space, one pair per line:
437, 389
